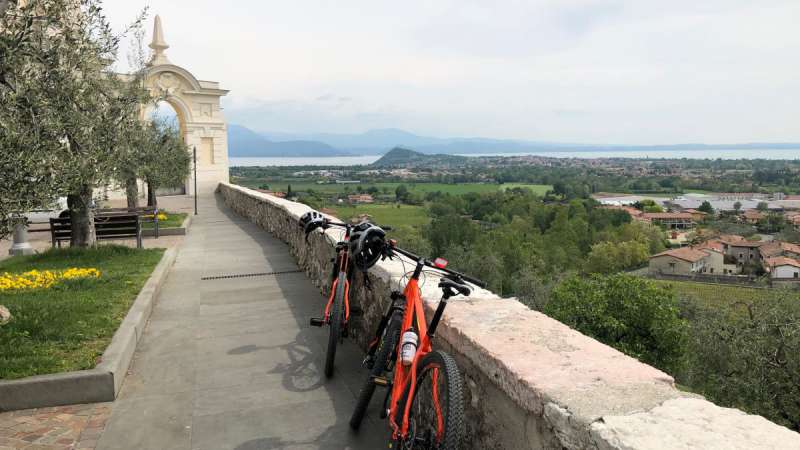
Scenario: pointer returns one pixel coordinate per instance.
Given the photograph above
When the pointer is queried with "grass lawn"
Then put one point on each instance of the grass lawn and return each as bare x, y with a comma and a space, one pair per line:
68, 326
461, 188
174, 220
385, 214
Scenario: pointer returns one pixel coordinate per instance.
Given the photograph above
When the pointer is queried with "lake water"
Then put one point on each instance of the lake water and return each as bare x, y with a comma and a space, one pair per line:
306, 161
692, 154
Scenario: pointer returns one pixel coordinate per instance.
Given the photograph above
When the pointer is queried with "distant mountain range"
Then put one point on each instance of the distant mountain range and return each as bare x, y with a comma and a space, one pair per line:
244, 142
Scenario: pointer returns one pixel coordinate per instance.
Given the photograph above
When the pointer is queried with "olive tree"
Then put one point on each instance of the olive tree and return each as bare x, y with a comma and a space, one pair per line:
166, 158
64, 111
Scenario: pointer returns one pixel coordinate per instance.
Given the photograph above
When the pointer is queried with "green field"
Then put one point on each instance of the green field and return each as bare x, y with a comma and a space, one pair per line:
389, 188
718, 295
385, 214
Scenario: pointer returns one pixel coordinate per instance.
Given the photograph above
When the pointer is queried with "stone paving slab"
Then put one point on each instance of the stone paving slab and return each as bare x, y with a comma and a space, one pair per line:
232, 363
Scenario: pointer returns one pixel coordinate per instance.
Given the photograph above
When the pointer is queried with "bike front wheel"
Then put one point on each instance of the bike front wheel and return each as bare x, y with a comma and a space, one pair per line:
436, 417
335, 325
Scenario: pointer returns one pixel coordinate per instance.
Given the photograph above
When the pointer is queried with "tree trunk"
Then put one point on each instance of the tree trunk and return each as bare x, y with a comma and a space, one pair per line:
82, 217
151, 195
132, 192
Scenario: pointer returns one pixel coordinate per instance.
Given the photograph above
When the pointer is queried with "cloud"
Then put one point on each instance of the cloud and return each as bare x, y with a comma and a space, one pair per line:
636, 71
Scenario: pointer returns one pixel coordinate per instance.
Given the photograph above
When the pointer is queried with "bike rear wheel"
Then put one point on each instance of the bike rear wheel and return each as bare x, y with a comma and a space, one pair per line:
335, 325
436, 417
383, 357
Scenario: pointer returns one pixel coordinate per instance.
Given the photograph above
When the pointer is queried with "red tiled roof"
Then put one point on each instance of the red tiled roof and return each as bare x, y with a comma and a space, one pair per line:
753, 214
778, 247
667, 215
738, 241
695, 211
782, 261
684, 253
729, 238
747, 244
713, 245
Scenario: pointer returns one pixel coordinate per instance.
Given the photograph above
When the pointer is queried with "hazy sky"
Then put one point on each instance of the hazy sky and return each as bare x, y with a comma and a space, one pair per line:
635, 71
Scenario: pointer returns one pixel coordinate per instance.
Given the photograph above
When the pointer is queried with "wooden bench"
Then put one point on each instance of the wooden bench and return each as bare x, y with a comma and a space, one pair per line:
145, 213
106, 227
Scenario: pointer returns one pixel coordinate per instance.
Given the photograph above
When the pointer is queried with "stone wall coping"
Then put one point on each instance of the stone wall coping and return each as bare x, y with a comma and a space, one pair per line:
589, 394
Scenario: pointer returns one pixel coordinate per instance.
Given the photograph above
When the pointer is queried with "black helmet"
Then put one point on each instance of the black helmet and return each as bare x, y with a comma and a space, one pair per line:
311, 220
367, 244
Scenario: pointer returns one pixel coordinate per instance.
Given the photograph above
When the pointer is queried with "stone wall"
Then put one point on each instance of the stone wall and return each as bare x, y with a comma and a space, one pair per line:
531, 382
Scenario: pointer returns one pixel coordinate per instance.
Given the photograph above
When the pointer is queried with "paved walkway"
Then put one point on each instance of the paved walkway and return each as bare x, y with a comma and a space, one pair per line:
231, 363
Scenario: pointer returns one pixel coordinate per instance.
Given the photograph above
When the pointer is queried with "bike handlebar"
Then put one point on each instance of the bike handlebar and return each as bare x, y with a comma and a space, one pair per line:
332, 223
425, 261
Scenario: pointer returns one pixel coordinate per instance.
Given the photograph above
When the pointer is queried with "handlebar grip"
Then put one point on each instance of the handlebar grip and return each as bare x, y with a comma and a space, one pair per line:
474, 281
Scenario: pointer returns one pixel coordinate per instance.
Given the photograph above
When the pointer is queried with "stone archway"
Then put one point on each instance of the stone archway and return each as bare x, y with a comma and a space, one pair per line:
197, 104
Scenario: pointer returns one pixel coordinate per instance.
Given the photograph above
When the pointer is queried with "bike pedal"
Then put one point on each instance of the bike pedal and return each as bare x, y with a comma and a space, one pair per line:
315, 322
381, 381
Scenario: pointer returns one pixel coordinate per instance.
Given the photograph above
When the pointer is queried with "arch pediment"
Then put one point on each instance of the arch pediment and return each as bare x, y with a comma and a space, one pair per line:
168, 77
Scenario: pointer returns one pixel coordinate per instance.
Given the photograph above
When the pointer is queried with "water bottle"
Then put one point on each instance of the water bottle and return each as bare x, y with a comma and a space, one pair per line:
409, 347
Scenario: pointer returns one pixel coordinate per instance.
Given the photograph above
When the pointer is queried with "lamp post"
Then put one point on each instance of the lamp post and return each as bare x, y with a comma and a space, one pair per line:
194, 156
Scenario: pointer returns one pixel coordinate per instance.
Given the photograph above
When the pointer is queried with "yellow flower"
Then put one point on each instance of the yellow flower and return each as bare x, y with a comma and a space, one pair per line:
35, 279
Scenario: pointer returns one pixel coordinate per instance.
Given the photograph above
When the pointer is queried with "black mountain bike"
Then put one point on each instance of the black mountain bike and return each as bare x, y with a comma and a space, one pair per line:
361, 246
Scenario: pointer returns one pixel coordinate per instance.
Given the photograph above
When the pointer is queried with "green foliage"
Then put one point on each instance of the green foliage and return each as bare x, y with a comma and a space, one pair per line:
69, 326
633, 315
165, 157
748, 356
63, 111
725, 226
649, 206
706, 207
610, 257
401, 193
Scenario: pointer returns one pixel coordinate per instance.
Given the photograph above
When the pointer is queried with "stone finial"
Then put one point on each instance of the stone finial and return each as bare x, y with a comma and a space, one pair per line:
159, 45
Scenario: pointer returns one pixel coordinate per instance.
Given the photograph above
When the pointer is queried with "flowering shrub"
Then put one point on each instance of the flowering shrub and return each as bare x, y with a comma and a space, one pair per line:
162, 216
36, 279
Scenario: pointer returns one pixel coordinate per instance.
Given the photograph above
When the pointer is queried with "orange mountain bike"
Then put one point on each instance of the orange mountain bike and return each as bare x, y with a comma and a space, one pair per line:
360, 248
424, 401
